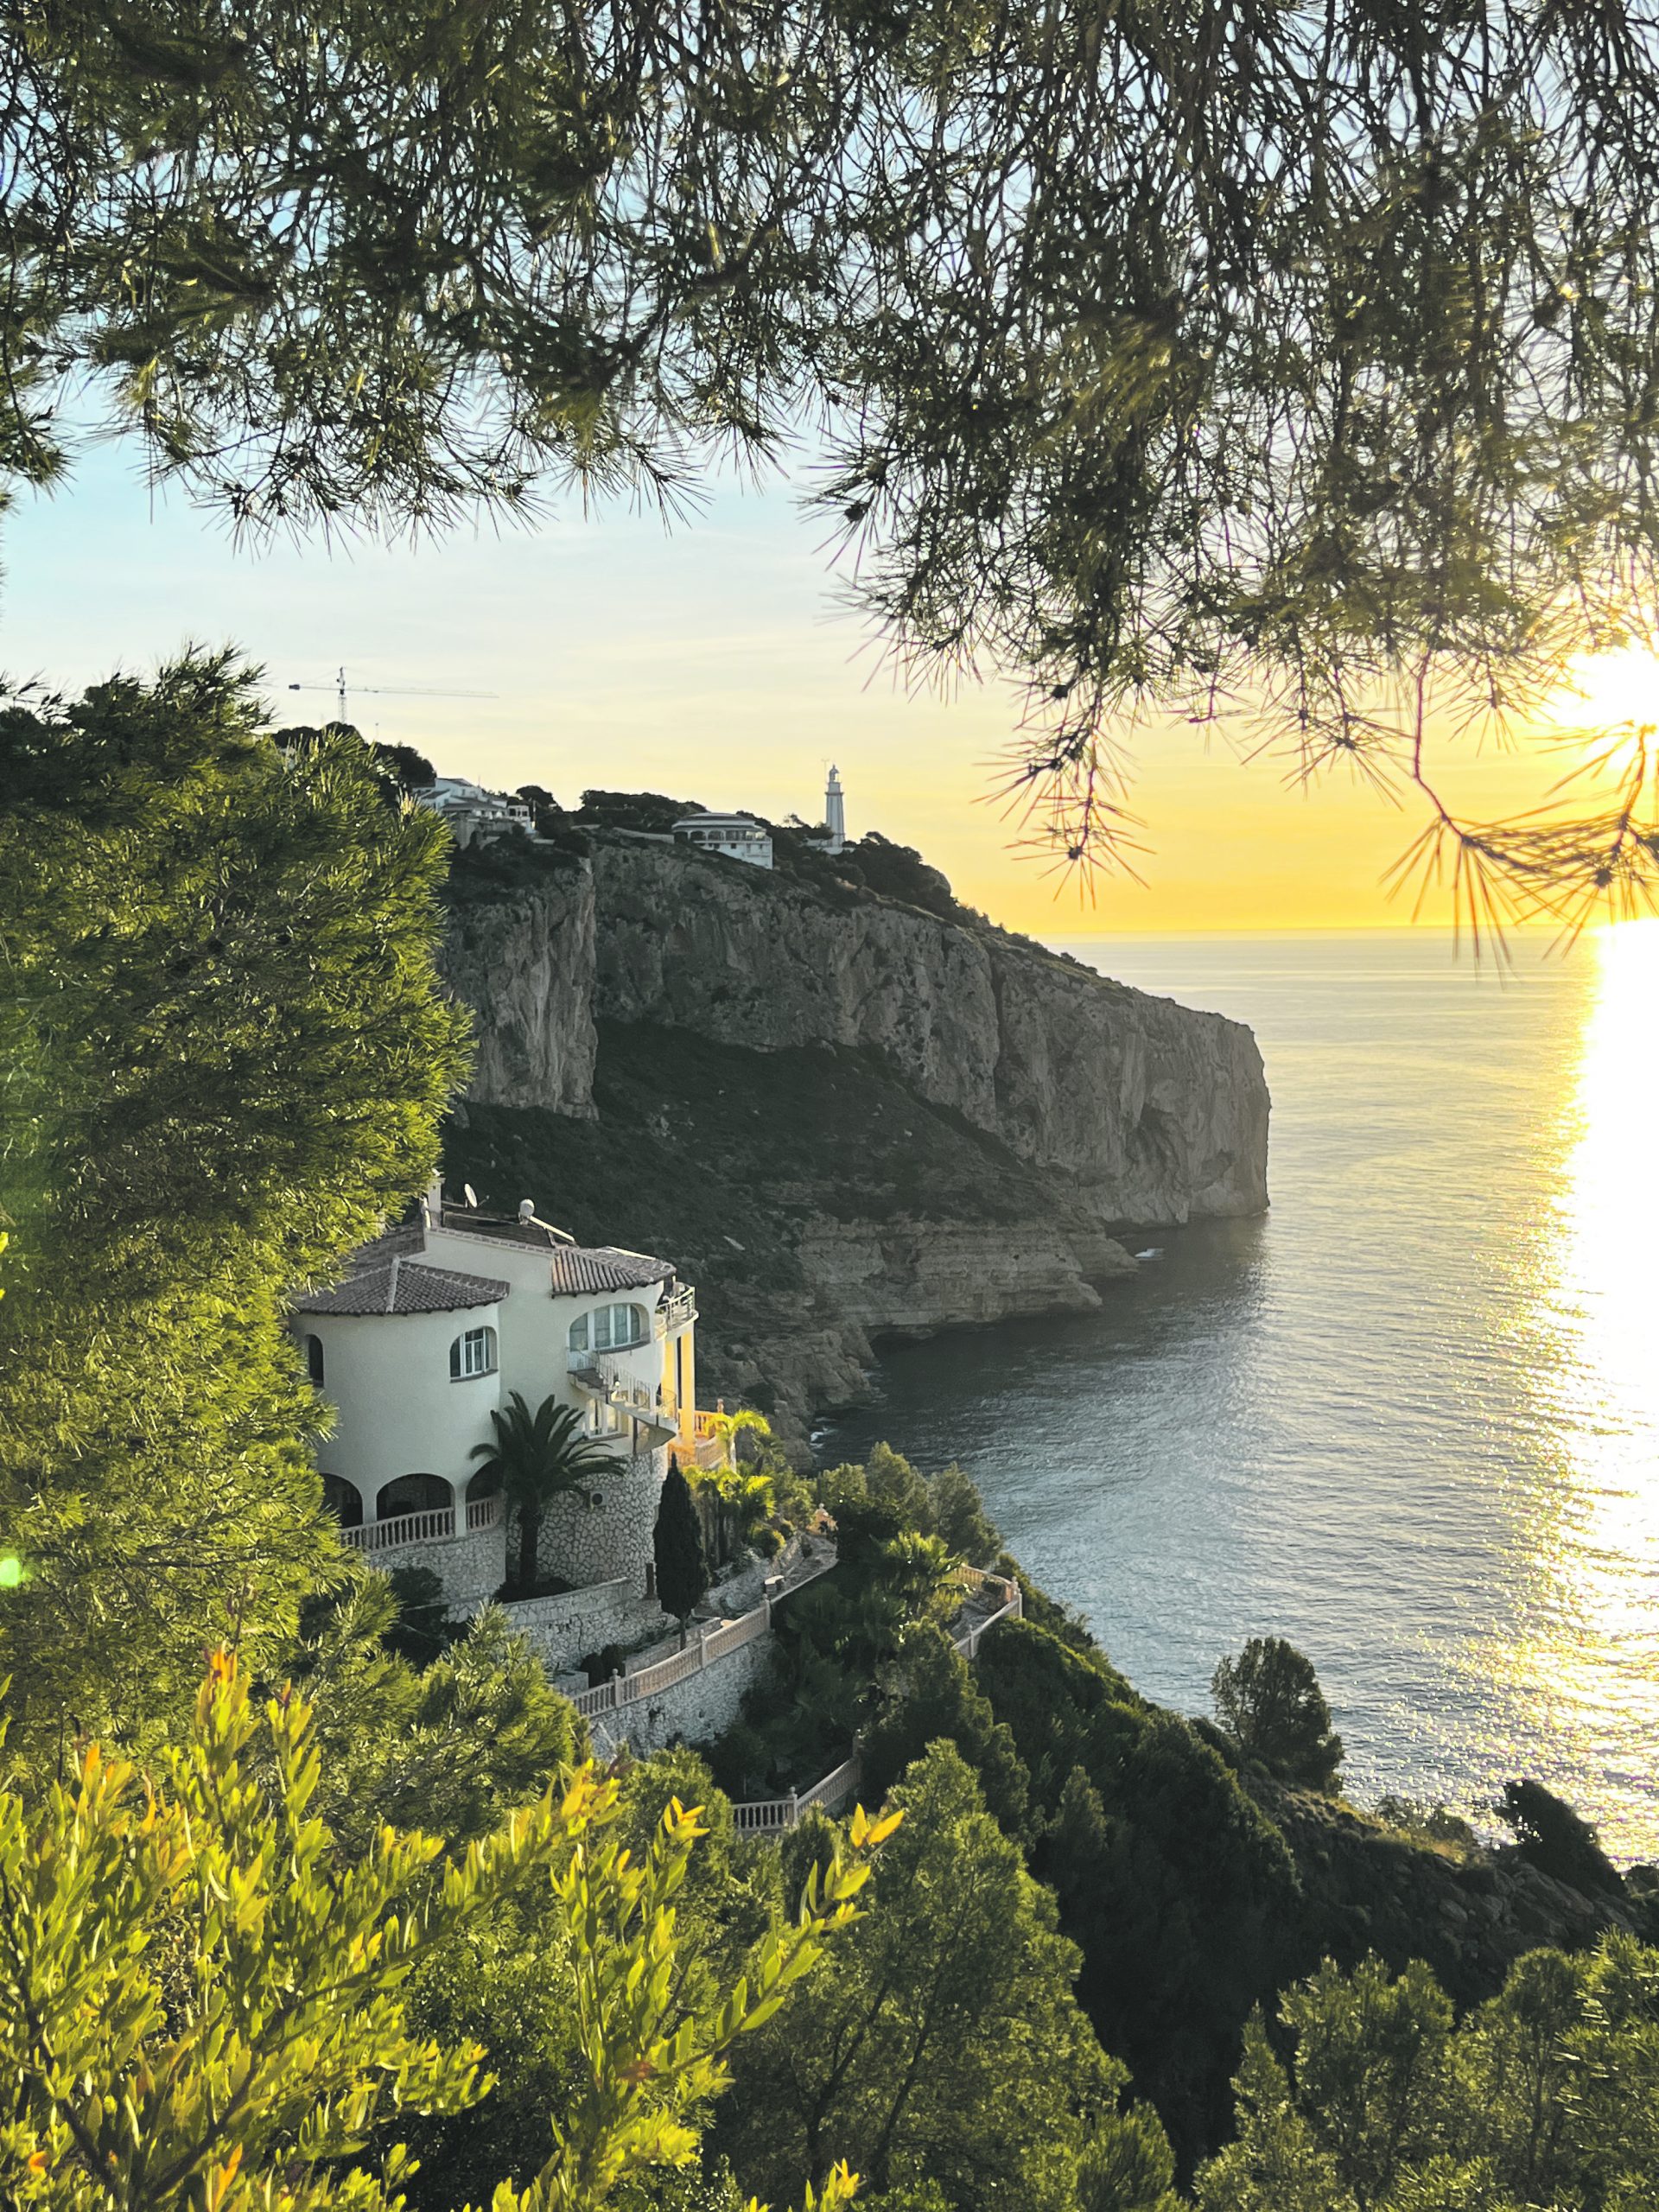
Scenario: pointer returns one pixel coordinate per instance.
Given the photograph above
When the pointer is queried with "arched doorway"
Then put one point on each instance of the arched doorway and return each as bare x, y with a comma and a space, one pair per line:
413, 1494
343, 1500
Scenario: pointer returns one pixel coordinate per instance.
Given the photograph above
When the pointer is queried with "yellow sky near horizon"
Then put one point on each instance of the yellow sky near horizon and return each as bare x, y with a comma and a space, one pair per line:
710, 663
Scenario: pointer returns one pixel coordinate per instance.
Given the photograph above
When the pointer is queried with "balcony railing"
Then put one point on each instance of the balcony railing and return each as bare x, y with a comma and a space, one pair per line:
675, 1312
436, 1526
620, 1390
766, 1815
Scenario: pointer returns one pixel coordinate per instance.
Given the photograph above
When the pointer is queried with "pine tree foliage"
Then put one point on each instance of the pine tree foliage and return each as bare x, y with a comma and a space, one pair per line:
225, 1057
1291, 361
1544, 2095
942, 2045
1269, 1702
452, 1747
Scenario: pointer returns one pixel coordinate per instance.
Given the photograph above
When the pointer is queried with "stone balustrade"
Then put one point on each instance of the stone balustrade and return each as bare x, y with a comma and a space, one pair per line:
770, 1815
436, 1526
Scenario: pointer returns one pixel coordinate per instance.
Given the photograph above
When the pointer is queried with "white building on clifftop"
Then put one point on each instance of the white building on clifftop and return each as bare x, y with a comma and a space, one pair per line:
434, 1326
733, 836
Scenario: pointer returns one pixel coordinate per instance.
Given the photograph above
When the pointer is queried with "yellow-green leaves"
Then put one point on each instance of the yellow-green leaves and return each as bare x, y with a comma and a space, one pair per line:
200, 2004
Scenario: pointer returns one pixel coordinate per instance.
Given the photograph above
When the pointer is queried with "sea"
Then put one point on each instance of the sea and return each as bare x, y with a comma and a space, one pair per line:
1409, 1418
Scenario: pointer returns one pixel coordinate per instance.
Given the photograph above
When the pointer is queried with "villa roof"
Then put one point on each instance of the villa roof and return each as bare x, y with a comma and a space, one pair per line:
403, 1286
423, 1286
578, 1269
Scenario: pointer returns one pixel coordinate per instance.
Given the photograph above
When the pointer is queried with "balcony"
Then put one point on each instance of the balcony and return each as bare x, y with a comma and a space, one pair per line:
677, 1312
703, 1442
616, 1392
440, 1525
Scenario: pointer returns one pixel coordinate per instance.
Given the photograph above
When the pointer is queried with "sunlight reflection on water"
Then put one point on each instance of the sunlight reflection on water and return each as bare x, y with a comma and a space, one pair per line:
1411, 1419
1599, 1394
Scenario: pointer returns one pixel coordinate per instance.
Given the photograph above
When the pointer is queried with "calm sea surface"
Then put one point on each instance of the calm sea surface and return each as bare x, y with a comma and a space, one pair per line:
1410, 1419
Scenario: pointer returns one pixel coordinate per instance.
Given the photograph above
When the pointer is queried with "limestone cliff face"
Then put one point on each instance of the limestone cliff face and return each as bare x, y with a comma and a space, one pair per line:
1153, 1113
843, 1115
523, 959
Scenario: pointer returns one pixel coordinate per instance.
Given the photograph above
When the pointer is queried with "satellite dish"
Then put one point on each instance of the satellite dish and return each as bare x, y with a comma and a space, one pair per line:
471, 1196
526, 1209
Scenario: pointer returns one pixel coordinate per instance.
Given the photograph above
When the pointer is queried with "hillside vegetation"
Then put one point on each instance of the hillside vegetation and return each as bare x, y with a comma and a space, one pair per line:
348, 1920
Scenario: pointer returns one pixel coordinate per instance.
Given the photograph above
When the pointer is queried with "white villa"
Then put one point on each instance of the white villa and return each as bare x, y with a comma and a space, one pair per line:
434, 1323
433, 1327
735, 837
473, 814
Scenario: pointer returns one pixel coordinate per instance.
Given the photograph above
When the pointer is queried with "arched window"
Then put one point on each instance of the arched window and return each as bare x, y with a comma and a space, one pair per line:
472, 1353
610, 1328
413, 1494
313, 1350
343, 1499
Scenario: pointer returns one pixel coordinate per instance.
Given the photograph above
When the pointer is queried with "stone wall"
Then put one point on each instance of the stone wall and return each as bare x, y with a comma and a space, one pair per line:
696, 1710
744, 1584
561, 1631
611, 1541
472, 1567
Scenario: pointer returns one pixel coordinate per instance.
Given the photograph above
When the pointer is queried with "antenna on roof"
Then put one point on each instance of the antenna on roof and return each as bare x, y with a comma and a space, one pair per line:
471, 1196
526, 1209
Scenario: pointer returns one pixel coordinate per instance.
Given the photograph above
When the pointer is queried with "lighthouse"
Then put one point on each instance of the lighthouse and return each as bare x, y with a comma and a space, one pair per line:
835, 812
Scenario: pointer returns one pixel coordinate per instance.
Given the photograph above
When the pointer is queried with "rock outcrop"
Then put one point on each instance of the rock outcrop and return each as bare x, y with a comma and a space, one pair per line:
845, 1115
524, 961
1151, 1112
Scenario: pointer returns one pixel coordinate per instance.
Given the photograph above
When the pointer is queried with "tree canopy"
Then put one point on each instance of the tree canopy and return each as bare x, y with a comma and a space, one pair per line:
225, 1053
204, 2006
677, 1549
1297, 360
1269, 1702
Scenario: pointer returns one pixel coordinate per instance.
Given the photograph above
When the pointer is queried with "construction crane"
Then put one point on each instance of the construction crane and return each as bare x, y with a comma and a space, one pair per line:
384, 691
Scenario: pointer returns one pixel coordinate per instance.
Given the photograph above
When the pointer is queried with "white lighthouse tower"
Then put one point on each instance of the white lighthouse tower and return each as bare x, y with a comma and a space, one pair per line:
835, 812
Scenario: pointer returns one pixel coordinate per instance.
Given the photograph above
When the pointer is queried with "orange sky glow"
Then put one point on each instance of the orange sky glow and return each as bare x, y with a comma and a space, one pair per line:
711, 663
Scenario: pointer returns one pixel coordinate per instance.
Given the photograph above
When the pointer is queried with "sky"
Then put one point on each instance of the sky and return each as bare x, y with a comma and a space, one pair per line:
714, 661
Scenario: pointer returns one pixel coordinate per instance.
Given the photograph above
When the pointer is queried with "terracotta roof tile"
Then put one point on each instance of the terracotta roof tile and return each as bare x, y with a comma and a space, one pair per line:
402, 1286
577, 1269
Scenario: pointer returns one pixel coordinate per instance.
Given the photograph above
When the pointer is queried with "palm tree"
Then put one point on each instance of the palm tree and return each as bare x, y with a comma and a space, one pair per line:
535, 1459
730, 1426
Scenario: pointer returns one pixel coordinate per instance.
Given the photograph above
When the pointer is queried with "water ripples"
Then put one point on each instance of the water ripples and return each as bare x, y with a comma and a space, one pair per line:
1411, 1419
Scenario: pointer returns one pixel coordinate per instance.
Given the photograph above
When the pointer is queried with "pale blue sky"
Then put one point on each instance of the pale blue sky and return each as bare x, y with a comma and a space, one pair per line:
710, 662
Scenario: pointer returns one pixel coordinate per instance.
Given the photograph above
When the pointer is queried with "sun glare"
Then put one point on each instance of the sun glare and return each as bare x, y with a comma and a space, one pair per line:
1606, 690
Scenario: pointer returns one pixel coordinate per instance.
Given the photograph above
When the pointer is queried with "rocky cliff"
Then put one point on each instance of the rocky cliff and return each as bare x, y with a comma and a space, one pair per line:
843, 1114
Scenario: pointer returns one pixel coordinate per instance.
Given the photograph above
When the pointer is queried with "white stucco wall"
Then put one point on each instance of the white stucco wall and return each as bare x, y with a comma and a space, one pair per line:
532, 1341
397, 1411
535, 1326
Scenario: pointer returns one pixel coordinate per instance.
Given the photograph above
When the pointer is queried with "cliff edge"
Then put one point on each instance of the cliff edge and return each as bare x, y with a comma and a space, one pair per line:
846, 1116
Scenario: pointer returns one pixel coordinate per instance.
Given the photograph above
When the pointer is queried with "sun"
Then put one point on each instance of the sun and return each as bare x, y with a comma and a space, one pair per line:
1612, 691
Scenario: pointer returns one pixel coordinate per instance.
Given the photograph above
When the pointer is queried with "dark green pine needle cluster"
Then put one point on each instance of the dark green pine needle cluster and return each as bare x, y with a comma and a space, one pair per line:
1294, 363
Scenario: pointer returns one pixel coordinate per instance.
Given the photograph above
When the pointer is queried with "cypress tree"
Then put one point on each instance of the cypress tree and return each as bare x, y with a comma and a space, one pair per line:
682, 1567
